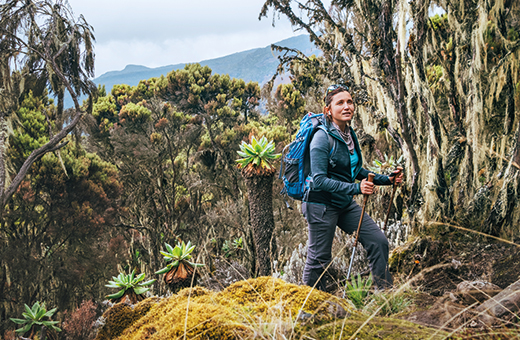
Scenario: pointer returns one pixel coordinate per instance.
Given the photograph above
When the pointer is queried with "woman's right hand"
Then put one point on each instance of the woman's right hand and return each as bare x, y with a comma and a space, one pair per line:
367, 188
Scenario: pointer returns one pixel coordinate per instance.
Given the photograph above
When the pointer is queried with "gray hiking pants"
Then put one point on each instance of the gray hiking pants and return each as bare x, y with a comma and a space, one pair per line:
322, 220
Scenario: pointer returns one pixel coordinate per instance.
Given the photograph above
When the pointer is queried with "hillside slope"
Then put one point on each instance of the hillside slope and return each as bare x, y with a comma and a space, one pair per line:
258, 65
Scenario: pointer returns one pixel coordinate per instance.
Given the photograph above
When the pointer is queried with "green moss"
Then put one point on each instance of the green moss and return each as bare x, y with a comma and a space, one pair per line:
512, 34
438, 21
261, 294
194, 292
423, 252
122, 315
175, 316
377, 328
264, 307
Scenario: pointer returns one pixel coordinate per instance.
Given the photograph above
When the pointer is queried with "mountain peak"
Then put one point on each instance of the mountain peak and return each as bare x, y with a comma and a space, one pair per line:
135, 68
257, 65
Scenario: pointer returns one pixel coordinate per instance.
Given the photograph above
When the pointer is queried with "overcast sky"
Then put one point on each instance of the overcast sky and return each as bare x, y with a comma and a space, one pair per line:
162, 32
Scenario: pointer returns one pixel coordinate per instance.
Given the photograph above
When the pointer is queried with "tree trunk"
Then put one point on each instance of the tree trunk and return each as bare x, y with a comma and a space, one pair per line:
260, 191
3, 150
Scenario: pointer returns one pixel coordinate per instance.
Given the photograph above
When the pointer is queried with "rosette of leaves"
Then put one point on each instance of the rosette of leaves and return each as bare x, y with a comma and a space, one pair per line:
179, 272
358, 290
238, 243
386, 167
130, 287
232, 248
34, 320
257, 157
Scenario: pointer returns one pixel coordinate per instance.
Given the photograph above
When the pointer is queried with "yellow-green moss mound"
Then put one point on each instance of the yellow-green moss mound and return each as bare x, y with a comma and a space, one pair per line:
264, 294
121, 316
257, 308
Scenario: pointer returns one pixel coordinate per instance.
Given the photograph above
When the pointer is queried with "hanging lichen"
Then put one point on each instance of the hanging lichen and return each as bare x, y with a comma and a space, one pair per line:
442, 78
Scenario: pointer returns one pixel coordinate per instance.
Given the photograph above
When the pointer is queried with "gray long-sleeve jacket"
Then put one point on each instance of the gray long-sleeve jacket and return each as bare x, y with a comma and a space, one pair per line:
332, 181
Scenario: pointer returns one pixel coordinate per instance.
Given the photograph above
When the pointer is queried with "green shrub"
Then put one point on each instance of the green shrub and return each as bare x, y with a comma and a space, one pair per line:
386, 167
34, 317
386, 304
180, 254
259, 153
129, 285
358, 290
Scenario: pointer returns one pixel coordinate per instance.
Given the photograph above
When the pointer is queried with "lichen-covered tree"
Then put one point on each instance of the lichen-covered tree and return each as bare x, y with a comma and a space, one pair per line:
258, 171
440, 78
42, 46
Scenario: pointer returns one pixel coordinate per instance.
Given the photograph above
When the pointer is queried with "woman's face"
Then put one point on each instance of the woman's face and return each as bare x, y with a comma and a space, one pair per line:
341, 108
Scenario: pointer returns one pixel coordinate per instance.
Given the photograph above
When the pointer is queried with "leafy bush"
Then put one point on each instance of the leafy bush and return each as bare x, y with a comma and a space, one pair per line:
129, 284
34, 319
232, 248
258, 153
180, 272
387, 166
358, 290
386, 304
181, 253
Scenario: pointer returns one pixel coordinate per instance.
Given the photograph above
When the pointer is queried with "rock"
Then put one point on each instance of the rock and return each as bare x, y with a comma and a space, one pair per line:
331, 310
469, 292
336, 310
502, 305
445, 314
304, 317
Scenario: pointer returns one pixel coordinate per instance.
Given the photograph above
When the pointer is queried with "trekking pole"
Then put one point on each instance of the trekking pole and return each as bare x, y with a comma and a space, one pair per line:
399, 169
370, 179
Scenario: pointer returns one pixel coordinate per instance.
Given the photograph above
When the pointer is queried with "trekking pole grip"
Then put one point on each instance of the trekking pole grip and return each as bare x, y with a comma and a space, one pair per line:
371, 180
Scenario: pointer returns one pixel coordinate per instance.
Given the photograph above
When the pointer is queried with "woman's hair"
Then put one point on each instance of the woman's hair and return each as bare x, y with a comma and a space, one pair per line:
331, 92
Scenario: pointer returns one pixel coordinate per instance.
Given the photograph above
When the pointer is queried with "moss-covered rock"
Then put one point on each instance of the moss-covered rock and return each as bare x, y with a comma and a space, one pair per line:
257, 308
416, 255
265, 293
122, 315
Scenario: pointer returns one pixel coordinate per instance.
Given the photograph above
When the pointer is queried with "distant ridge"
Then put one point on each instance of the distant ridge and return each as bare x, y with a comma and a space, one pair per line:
258, 65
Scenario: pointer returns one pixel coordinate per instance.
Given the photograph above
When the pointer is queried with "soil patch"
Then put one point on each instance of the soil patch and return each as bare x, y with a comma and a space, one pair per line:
438, 267
435, 269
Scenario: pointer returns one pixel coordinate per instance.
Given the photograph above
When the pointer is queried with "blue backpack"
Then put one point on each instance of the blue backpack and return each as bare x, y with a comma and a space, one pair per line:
295, 166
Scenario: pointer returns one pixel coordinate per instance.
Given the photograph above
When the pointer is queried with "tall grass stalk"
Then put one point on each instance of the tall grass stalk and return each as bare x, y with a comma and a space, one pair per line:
473, 231
280, 326
391, 303
189, 297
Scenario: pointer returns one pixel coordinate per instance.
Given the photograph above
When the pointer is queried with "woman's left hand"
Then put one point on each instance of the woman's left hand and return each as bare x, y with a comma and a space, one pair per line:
398, 179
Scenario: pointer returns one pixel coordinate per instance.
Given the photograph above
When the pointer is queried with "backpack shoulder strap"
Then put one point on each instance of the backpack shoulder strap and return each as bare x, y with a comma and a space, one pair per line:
331, 139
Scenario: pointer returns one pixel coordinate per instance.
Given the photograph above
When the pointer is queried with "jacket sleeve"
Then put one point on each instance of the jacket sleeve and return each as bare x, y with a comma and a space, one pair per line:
319, 153
378, 179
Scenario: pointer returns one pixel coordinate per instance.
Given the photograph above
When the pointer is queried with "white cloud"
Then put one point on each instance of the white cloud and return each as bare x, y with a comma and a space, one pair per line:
163, 32
115, 55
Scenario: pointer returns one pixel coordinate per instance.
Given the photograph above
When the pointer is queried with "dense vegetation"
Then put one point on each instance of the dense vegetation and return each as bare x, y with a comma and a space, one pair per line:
99, 189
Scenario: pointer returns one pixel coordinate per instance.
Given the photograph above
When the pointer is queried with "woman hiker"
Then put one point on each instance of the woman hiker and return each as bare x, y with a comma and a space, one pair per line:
328, 203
